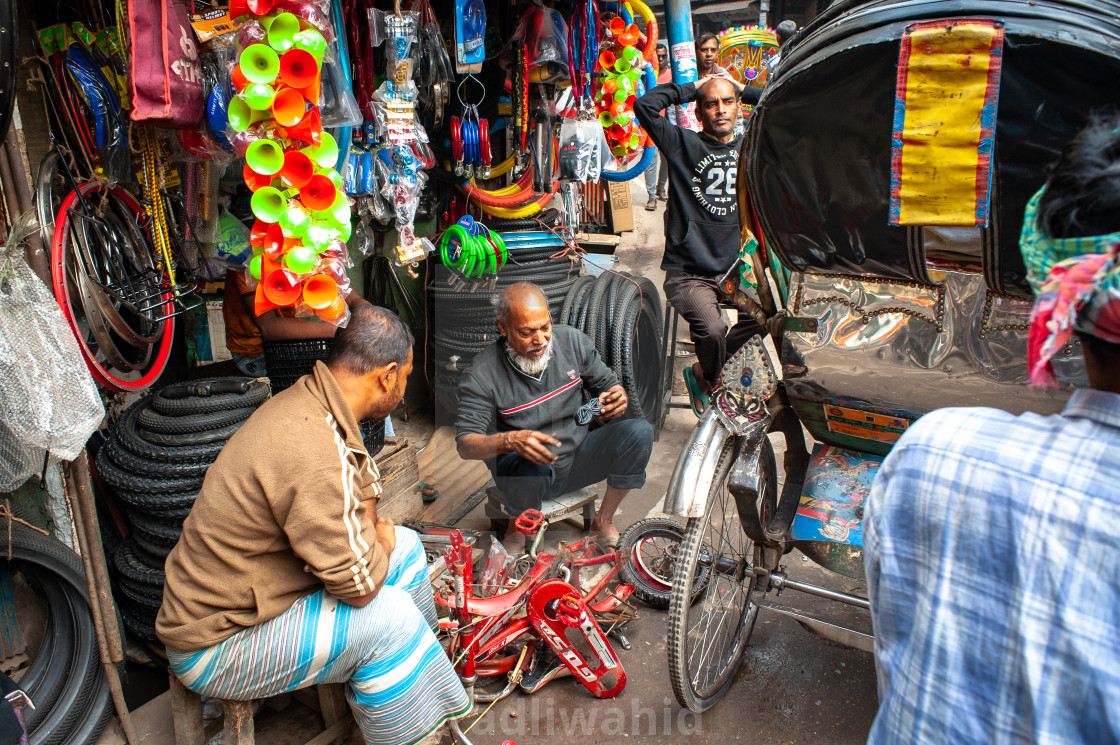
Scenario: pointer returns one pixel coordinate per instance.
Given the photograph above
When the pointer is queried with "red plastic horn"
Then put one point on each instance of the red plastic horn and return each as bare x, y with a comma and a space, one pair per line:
281, 287
318, 194
288, 107
253, 179
298, 68
258, 233
261, 7
309, 129
273, 243
297, 171
238, 8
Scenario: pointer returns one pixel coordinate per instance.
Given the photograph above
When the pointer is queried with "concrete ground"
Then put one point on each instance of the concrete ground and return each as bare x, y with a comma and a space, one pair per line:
793, 687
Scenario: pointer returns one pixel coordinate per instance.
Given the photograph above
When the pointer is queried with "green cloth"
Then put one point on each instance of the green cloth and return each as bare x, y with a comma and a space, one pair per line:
1041, 254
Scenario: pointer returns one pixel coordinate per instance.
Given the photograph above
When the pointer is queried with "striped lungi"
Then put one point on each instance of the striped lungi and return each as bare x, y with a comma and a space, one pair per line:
402, 685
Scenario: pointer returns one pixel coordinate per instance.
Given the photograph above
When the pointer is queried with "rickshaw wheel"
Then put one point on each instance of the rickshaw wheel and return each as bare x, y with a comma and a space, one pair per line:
707, 637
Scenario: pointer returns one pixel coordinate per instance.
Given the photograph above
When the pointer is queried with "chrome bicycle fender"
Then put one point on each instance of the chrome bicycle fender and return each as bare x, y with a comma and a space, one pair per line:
691, 482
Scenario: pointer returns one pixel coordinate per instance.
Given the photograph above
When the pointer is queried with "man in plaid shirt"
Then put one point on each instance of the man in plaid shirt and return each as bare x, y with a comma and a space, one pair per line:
992, 542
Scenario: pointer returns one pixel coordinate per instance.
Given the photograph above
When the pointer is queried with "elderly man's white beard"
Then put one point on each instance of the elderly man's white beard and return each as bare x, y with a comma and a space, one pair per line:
530, 365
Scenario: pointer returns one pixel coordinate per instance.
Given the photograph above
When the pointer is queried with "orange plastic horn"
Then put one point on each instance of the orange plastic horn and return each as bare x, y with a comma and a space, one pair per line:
320, 291
309, 129
288, 107
253, 179
298, 68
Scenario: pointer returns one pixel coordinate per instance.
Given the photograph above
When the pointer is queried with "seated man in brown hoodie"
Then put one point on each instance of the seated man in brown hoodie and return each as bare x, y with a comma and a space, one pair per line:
285, 577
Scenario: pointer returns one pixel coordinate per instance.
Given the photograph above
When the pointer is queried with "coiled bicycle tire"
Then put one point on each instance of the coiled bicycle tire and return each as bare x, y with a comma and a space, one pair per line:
127, 563
133, 463
152, 554
128, 435
181, 439
158, 502
141, 594
256, 395
155, 422
569, 299
139, 621
121, 479
157, 531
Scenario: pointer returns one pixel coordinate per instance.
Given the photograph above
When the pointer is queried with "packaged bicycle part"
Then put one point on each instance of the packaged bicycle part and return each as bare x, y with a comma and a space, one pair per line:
582, 146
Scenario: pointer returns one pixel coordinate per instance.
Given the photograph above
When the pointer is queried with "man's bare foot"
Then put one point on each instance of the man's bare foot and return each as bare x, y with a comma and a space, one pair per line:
606, 529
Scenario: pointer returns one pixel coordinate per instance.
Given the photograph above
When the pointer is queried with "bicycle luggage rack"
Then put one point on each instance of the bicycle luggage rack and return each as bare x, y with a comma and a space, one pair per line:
147, 292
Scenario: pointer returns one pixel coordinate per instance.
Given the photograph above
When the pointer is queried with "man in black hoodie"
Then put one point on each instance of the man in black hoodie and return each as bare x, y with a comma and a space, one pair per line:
702, 219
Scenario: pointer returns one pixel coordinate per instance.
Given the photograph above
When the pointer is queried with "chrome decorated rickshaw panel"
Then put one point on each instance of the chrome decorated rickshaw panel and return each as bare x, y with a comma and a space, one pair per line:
881, 353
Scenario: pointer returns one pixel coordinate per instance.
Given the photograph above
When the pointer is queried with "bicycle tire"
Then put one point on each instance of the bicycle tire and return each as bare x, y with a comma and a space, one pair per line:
569, 299
61, 286
44, 677
120, 479
128, 435
9, 47
151, 554
653, 581
595, 299
139, 621
133, 463
126, 562
156, 423
256, 395
158, 502
206, 437
157, 531
141, 594
689, 694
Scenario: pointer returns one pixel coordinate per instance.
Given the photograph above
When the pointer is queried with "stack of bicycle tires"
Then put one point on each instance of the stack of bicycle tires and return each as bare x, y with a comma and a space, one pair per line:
623, 316
155, 458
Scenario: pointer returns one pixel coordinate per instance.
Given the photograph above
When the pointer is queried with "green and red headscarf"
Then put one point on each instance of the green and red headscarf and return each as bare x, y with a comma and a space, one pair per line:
1077, 281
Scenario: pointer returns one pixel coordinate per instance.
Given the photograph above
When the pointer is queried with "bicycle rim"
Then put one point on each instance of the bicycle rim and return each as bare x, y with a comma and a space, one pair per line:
655, 557
104, 371
707, 637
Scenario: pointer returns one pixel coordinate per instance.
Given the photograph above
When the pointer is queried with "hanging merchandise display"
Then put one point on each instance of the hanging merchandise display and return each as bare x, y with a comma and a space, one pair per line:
302, 214
626, 68
473, 252
402, 153
470, 35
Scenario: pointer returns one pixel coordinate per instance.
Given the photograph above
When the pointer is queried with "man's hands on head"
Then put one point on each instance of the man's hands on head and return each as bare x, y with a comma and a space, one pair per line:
719, 76
613, 403
532, 446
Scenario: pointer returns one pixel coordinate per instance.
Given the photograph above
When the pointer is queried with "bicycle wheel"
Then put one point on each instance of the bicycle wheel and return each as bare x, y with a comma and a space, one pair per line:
706, 638
656, 546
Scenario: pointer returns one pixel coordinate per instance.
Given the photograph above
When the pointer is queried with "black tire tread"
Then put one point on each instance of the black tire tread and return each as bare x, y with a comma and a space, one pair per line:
141, 466
121, 479
256, 395
157, 423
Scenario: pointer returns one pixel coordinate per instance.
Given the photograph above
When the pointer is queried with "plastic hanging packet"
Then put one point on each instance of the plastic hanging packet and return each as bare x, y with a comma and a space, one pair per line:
581, 150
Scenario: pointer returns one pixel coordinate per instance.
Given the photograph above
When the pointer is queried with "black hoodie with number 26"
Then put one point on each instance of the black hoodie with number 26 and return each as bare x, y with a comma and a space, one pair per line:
702, 220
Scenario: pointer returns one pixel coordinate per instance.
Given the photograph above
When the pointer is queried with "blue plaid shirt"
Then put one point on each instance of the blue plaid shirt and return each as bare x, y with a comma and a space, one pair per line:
993, 562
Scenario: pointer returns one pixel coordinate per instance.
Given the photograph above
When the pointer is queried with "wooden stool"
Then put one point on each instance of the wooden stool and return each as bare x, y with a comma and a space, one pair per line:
558, 508
186, 713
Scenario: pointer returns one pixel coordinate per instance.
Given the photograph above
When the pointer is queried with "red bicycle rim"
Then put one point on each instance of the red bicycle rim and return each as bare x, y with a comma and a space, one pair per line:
62, 295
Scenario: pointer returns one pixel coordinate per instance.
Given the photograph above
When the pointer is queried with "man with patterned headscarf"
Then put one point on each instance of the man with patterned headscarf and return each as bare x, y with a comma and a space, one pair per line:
992, 541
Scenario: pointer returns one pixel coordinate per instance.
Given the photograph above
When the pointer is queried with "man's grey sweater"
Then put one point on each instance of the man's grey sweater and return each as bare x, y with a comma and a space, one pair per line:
495, 396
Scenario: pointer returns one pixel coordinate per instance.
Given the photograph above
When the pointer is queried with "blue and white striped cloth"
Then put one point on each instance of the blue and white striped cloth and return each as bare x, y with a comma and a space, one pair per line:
402, 685
992, 545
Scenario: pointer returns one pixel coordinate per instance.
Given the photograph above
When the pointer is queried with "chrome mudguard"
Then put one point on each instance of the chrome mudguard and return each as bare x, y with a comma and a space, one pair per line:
691, 482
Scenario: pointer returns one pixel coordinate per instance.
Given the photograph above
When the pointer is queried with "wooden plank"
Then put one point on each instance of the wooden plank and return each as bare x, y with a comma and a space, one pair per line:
456, 479
186, 714
334, 709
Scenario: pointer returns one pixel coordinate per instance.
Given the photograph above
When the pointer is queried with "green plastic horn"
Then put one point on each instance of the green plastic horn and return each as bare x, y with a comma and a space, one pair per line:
294, 222
311, 41
258, 96
334, 176
300, 260
255, 267
241, 117
282, 32
605, 118
268, 204
266, 157
259, 64
319, 237
326, 155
